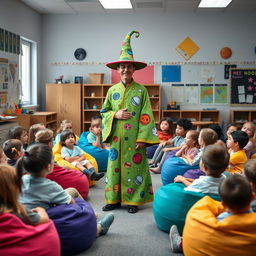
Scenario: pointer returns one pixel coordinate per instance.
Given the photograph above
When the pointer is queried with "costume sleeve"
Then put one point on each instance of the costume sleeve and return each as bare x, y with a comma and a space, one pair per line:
147, 132
108, 116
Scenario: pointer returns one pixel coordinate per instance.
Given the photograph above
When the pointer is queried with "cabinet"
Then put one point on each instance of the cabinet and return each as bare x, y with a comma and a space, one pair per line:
65, 100
95, 94
199, 118
242, 116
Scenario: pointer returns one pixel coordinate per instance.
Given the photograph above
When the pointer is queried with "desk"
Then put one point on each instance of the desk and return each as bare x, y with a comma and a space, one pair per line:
49, 119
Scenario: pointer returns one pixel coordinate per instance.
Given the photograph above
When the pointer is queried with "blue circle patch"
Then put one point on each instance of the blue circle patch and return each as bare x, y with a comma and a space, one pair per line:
116, 96
113, 154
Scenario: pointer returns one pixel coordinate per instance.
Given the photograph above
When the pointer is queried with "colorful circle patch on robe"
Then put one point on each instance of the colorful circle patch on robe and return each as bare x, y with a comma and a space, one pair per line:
138, 180
116, 96
127, 126
154, 132
113, 154
137, 158
144, 119
136, 101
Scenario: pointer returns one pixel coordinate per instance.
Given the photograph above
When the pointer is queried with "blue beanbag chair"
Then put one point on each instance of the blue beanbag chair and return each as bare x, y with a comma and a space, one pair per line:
76, 226
101, 155
171, 204
172, 167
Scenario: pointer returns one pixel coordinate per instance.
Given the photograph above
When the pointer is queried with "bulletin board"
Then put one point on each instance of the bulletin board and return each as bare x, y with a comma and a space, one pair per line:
243, 86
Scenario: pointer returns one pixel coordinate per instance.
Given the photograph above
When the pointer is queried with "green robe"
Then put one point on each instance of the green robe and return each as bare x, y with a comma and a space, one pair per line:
128, 179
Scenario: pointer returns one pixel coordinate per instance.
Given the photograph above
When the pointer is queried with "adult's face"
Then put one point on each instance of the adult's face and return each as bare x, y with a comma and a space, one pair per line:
126, 71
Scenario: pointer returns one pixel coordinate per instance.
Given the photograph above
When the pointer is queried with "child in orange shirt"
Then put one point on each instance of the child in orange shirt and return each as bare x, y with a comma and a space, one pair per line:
237, 140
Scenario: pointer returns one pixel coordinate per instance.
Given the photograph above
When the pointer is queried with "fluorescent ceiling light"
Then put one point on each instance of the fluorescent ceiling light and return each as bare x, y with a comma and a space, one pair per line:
116, 4
214, 3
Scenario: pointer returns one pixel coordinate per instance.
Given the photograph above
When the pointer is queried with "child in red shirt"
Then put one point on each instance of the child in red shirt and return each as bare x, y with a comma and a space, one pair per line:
165, 131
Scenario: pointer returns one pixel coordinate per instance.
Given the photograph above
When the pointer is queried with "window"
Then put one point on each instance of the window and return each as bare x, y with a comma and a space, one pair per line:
26, 71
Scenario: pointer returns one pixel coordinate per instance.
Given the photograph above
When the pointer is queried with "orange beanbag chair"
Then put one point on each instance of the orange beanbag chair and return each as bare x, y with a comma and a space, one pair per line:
203, 234
19, 239
61, 162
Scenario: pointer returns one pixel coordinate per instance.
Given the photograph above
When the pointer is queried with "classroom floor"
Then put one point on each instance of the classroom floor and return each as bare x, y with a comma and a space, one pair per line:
130, 234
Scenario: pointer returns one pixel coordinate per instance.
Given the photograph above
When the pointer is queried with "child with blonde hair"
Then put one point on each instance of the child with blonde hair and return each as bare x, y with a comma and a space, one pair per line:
64, 125
33, 130
94, 137
13, 150
9, 192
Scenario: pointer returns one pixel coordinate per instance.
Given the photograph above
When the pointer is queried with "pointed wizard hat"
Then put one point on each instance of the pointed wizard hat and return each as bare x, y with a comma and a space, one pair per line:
126, 55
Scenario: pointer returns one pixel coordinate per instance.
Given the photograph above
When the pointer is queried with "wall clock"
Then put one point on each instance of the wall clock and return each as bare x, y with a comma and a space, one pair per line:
80, 54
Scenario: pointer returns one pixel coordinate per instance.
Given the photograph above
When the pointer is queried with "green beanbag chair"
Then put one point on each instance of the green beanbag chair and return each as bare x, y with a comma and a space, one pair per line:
171, 205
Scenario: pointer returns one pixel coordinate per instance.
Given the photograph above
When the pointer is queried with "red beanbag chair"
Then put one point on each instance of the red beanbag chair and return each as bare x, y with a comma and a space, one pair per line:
19, 239
70, 179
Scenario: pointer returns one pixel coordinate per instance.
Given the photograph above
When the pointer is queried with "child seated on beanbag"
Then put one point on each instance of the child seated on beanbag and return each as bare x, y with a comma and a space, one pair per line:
214, 162
74, 155
64, 125
19, 133
250, 147
183, 126
40, 191
13, 150
226, 222
237, 140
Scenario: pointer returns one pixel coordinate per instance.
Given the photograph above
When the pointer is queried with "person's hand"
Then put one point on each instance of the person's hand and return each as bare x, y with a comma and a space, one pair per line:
179, 178
166, 149
139, 145
123, 114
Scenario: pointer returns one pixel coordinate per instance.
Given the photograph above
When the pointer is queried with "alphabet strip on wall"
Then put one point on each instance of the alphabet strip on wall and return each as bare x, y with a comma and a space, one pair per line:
156, 63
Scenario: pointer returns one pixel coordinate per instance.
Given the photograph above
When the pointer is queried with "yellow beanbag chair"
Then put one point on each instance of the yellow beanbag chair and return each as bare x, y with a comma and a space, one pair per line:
253, 156
203, 234
61, 162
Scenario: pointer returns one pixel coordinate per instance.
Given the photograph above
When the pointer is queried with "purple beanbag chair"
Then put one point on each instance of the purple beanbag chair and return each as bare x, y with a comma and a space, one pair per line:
76, 225
194, 174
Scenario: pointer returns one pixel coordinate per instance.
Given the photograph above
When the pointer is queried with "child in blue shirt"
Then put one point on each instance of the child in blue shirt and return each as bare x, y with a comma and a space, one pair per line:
74, 155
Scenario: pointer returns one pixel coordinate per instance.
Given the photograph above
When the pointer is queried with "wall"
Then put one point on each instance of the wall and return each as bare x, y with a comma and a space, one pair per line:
21, 19
101, 36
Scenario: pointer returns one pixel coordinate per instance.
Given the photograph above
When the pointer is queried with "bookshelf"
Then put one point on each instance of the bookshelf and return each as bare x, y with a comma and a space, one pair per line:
199, 118
93, 96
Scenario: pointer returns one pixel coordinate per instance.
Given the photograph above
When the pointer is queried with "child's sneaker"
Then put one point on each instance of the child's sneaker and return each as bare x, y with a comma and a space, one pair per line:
96, 176
175, 239
106, 223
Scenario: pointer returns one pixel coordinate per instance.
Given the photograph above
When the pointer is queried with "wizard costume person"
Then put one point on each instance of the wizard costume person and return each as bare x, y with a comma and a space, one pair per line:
129, 126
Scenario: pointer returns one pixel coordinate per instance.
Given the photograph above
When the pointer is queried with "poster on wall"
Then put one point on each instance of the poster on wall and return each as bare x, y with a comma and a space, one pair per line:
191, 94
220, 93
206, 93
177, 93
3, 72
171, 73
3, 99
